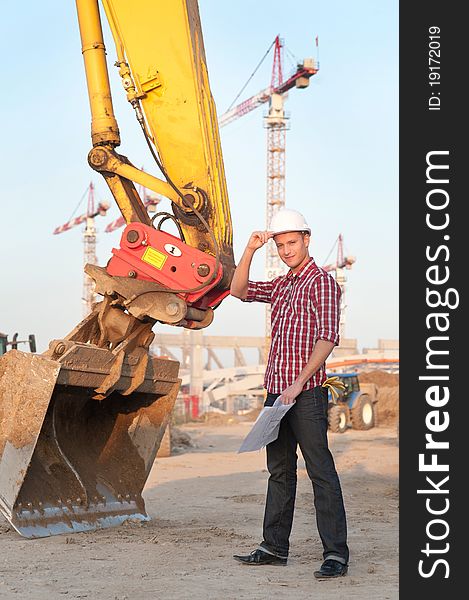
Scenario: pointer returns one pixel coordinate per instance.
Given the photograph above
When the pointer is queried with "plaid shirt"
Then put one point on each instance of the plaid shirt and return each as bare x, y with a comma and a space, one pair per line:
305, 308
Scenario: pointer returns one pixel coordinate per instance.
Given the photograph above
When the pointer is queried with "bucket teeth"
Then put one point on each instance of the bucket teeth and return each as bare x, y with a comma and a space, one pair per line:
71, 517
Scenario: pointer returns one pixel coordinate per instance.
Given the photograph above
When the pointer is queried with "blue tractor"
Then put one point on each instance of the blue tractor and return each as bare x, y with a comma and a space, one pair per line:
355, 406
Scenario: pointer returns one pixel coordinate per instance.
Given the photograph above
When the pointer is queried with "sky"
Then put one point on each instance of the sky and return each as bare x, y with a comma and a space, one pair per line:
341, 153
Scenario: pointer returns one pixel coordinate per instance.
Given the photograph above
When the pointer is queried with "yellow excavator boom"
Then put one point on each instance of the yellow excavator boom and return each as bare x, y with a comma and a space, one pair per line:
171, 78
161, 61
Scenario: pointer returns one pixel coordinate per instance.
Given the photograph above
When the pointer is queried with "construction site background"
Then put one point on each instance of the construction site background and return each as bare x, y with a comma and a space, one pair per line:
187, 408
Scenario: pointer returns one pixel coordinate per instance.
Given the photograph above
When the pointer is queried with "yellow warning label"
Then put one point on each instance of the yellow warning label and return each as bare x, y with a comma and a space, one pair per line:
154, 257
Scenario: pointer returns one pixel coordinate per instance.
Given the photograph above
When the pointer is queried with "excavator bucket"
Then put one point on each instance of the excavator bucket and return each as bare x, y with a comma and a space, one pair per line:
70, 462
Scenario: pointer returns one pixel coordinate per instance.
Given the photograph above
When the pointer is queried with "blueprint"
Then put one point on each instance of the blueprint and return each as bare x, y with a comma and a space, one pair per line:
266, 427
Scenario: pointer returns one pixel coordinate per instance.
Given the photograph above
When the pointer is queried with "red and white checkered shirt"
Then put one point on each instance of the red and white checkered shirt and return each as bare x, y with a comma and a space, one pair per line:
305, 308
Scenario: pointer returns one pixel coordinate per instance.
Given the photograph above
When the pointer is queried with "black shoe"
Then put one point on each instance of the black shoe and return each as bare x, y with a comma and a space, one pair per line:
331, 568
258, 557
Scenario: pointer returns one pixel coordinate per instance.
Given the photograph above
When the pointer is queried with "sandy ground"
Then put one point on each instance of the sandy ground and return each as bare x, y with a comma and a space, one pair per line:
207, 504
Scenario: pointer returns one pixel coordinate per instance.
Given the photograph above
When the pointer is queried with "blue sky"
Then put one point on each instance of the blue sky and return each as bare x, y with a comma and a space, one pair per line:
342, 153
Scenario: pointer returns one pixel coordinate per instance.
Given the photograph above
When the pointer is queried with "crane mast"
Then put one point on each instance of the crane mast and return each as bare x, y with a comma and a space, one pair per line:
276, 124
89, 244
338, 268
89, 254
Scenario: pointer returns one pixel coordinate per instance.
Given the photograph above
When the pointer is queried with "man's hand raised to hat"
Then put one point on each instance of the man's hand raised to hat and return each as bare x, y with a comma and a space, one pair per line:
258, 239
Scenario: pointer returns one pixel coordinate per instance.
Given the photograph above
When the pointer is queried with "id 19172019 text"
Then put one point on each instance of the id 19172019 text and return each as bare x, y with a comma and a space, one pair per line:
434, 67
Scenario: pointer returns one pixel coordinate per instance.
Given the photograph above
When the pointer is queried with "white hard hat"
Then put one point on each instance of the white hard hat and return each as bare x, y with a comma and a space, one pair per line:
288, 220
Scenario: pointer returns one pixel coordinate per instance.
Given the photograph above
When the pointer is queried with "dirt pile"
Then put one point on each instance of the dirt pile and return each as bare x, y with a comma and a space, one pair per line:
388, 405
229, 419
388, 395
381, 378
212, 418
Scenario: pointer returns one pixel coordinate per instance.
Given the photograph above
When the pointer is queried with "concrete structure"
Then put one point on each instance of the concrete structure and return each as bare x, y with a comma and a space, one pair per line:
235, 377
385, 348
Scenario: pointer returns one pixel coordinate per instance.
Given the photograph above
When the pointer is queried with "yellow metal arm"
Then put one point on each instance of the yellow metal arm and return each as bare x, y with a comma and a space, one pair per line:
104, 129
162, 64
104, 159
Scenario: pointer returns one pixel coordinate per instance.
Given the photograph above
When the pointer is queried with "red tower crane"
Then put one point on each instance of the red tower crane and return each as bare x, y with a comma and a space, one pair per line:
90, 213
342, 262
299, 79
89, 243
276, 125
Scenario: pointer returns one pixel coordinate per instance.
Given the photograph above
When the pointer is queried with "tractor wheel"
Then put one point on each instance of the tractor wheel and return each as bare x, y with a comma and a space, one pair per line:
363, 413
338, 418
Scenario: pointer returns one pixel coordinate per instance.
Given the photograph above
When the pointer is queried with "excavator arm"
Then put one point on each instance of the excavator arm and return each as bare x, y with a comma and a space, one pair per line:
80, 424
161, 62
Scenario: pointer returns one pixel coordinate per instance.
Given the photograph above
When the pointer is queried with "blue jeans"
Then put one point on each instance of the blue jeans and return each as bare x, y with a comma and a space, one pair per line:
304, 424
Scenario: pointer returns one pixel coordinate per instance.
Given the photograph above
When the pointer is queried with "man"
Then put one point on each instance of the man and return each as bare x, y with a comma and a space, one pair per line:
305, 319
